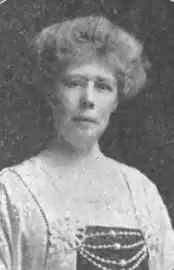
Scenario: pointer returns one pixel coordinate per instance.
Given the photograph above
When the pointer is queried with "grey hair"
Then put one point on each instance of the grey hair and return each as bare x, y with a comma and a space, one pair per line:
92, 37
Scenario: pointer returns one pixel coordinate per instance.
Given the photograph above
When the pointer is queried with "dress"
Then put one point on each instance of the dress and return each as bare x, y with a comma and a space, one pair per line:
43, 229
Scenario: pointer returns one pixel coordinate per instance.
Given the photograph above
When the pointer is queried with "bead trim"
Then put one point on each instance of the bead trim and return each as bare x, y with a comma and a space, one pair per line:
125, 233
113, 246
98, 261
139, 261
120, 263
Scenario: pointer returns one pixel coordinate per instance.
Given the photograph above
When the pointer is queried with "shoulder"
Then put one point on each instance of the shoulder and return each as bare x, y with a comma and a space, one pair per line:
18, 202
14, 171
134, 177
12, 179
17, 187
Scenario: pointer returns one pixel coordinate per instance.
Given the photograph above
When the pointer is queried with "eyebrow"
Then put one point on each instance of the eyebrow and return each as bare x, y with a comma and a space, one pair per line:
76, 76
98, 78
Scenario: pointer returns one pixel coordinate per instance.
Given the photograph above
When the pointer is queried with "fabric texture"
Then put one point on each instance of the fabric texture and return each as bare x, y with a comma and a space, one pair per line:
41, 228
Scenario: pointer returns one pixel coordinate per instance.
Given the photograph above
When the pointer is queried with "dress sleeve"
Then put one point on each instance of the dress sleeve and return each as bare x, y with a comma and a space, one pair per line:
10, 239
162, 223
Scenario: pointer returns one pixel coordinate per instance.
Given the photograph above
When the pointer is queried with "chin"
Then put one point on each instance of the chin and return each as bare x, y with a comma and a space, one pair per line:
82, 138
82, 141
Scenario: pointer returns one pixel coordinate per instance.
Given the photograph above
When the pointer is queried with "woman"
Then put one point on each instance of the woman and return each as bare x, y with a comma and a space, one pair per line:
71, 207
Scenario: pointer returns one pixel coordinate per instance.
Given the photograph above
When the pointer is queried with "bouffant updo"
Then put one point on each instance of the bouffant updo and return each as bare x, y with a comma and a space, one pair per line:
85, 39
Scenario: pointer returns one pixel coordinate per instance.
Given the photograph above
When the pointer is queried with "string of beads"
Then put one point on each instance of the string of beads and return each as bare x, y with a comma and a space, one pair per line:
136, 265
123, 264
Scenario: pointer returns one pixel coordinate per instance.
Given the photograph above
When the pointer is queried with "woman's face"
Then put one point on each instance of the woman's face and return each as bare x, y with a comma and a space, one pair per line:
87, 94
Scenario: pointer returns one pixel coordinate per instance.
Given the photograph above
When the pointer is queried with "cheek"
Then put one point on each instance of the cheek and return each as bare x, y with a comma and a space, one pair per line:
64, 104
104, 117
69, 99
107, 107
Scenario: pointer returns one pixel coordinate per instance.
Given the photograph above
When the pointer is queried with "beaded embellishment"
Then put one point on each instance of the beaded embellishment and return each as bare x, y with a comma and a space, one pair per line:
104, 248
109, 249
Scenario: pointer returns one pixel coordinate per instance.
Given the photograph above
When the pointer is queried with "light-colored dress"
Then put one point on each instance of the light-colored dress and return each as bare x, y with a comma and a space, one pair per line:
47, 228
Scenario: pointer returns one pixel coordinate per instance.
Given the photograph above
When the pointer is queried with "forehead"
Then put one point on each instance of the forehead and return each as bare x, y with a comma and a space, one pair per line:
91, 70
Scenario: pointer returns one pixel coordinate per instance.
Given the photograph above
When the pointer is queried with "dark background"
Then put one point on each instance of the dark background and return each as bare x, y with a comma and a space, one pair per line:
142, 132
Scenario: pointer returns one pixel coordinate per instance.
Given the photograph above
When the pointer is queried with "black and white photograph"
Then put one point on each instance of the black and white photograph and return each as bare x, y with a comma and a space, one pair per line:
86, 135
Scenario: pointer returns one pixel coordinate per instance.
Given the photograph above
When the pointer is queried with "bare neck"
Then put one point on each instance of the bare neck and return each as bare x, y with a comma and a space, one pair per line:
65, 155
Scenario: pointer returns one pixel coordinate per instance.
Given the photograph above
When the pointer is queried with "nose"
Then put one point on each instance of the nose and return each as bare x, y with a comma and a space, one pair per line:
87, 100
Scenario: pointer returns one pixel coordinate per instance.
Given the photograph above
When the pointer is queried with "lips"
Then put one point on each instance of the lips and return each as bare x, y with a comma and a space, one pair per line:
84, 119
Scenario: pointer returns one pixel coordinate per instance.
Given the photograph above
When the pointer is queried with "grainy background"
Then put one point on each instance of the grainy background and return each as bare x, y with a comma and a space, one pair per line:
142, 132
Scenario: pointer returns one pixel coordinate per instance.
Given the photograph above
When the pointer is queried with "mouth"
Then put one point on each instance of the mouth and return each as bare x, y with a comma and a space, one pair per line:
85, 119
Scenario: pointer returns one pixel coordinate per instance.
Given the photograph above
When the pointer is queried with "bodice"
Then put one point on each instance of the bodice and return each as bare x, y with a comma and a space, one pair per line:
57, 232
111, 249
106, 248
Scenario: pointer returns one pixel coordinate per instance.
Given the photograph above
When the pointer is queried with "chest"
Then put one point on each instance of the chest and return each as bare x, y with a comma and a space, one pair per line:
91, 197
71, 202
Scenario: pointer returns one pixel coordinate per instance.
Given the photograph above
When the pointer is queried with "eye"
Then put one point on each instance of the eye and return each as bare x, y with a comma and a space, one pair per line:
104, 86
73, 83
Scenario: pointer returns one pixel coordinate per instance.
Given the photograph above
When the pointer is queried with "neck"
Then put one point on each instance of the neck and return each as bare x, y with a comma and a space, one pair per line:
65, 154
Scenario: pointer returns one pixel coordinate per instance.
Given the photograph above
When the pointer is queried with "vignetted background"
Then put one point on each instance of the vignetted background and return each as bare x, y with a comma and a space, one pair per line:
142, 132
